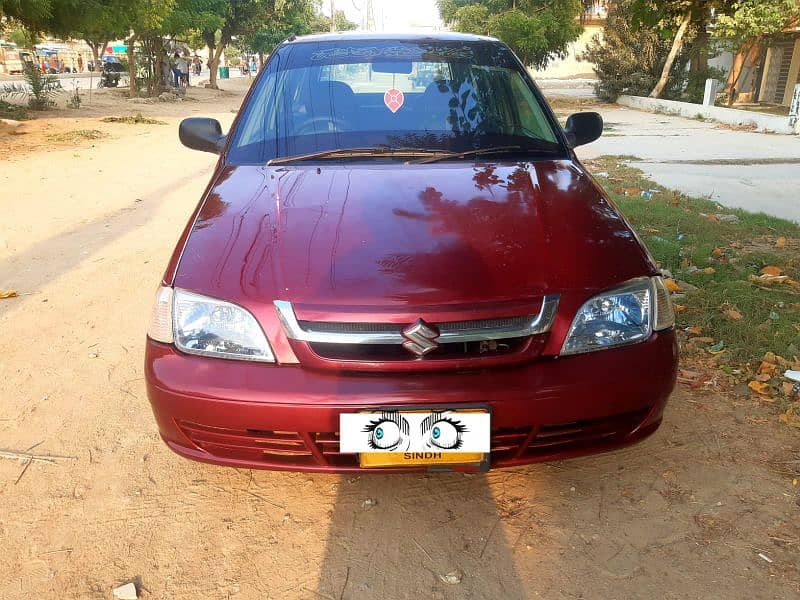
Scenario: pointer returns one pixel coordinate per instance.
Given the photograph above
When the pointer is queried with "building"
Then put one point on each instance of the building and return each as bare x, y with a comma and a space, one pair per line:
593, 20
780, 69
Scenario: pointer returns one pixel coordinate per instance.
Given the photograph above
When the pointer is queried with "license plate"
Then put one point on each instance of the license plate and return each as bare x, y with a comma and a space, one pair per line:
371, 460
391, 437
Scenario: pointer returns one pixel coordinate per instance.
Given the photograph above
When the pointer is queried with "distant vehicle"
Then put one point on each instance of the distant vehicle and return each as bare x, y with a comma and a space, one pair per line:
17, 60
111, 74
381, 277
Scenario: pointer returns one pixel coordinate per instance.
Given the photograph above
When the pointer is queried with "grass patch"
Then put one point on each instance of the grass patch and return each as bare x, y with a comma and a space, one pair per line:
715, 254
134, 120
77, 135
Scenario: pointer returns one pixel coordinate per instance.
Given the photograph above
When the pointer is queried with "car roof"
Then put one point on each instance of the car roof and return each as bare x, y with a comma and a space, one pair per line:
348, 36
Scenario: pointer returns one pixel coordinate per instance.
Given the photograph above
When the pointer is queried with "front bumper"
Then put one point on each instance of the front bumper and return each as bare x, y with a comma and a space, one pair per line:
286, 417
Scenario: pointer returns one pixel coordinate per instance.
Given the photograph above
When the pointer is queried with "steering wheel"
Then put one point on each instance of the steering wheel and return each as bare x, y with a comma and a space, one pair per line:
329, 125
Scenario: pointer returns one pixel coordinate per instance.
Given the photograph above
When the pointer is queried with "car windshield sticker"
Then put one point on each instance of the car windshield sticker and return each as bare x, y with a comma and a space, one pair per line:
394, 431
393, 99
428, 53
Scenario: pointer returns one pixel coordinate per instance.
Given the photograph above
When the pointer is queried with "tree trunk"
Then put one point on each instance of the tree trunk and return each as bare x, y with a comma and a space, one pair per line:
739, 61
158, 80
700, 58
214, 56
677, 44
133, 90
98, 50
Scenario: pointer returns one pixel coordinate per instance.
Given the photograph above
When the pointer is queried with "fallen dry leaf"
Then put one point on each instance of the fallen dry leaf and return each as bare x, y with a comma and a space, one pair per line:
772, 271
672, 286
709, 270
780, 242
788, 388
773, 279
717, 253
790, 417
694, 330
700, 340
8, 294
763, 377
768, 368
732, 314
679, 307
759, 387
712, 219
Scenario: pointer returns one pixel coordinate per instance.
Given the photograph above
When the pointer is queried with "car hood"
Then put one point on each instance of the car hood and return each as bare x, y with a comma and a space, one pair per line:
417, 235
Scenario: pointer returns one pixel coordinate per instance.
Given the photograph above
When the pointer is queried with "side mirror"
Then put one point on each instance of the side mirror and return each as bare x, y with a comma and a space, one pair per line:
583, 128
202, 134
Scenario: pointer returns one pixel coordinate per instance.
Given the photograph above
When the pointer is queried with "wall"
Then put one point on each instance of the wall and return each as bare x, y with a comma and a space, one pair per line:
731, 116
565, 68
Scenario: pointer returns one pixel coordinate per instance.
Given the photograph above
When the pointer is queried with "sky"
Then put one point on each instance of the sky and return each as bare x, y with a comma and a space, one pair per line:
391, 15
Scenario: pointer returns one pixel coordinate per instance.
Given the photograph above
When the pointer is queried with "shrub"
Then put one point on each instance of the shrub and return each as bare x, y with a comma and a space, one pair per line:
40, 89
629, 57
12, 111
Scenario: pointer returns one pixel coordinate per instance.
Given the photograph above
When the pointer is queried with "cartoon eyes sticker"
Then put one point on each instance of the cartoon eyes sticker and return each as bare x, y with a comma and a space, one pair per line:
390, 431
387, 431
443, 432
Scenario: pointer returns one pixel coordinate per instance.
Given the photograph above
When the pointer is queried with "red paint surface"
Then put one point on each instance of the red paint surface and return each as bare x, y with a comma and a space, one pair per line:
392, 243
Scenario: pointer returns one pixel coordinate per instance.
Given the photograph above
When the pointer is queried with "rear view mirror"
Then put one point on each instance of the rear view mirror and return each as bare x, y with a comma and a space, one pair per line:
583, 128
399, 67
202, 134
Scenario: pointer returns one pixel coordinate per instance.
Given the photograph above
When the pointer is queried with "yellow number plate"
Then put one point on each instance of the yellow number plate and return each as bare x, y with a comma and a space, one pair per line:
417, 459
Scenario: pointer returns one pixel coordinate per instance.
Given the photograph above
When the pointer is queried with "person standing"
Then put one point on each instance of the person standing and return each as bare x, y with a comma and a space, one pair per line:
183, 67
80, 63
176, 72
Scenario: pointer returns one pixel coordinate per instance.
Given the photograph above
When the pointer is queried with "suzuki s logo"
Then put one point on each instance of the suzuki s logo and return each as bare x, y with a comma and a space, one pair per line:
420, 338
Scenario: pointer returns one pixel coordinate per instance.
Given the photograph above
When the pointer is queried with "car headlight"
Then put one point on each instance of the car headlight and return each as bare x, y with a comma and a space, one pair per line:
206, 326
625, 315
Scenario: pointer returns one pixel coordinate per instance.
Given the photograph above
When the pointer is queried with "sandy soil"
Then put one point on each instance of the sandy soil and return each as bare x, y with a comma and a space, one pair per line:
706, 508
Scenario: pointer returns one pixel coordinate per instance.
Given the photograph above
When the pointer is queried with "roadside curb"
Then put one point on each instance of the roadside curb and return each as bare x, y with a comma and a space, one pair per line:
731, 116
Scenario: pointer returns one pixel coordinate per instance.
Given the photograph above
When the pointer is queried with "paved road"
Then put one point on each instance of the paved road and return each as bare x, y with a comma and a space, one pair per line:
755, 171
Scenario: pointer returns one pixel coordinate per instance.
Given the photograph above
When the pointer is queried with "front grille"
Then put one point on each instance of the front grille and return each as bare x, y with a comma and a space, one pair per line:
393, 352
321, 449
448, 327
552, 438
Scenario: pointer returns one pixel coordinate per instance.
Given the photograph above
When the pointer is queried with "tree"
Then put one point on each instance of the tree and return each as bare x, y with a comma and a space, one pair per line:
237, 18
299, 17
537, 30
289, 18
744, 25
628, 57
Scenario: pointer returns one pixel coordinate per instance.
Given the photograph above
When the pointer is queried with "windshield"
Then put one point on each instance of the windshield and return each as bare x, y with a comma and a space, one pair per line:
316, 97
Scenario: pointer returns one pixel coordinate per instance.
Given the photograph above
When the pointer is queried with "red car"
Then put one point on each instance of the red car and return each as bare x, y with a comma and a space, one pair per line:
386, 275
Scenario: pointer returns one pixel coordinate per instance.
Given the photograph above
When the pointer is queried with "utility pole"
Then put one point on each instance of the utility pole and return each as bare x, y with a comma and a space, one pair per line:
333, 19
370, 16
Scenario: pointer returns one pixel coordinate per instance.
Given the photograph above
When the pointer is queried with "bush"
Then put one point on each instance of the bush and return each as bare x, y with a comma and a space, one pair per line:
12, 111
630, 56
692, 86
40, 89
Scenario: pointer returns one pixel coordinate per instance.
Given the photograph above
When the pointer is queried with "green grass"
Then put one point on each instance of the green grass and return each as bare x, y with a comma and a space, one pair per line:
682, 234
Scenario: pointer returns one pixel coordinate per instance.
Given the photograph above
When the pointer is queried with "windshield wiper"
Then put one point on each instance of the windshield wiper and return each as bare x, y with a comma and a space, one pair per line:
478, 152
356, 152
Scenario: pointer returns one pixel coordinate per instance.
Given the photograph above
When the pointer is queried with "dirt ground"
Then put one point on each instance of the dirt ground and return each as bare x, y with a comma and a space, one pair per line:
706, 508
